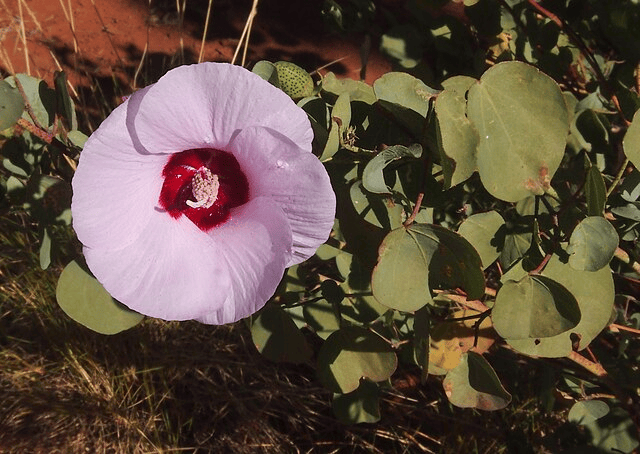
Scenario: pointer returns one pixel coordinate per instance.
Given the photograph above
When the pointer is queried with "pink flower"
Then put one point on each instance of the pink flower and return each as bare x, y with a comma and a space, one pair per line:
196, 193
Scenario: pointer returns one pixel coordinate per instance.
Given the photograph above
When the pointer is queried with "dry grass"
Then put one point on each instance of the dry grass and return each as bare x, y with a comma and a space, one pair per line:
187, 387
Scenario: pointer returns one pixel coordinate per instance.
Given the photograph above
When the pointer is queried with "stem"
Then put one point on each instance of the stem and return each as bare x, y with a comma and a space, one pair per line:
618, 177
623, 256
461, 299
416, 208
617, 328
594, 368
540, 267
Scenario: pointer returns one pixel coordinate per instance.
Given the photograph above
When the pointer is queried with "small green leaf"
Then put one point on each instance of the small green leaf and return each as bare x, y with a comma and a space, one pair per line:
596, 192
267, 71
41, 98
405, 90
322, 317
352, 353
534, 307
84, 299
594, 292
45, 250
373, 177
421, 325
587, 411
413, 261
515, 246
592, 244
277, 337
361, 405
49, 199
11, 105
64, 105
457, 137
77, 138
522, 121
631, 141
379, 210
340, 119
474, 384
294, 80
482, 230
356, 90
611, 430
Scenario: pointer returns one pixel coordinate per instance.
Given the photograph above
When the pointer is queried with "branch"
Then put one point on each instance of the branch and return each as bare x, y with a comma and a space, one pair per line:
594, 368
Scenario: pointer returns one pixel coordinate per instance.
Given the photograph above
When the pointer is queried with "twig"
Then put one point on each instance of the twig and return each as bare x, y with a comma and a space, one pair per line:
617, 328
594, 368
23, 37
204, 33
416, 208
616, 180
542, 264
244, 37
461, 299
623, 256
27, 105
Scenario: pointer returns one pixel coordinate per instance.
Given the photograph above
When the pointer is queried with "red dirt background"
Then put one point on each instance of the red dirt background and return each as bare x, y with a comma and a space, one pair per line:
105, 40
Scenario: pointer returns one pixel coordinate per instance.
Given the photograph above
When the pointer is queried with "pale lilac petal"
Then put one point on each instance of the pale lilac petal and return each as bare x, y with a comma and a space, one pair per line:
115, 188
277, 168
213, 102
256, 246
174, 271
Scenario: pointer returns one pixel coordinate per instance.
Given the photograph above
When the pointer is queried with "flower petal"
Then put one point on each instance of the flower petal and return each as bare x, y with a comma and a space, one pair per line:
174, 271
256, 246
213, 102
277, 168
115, 189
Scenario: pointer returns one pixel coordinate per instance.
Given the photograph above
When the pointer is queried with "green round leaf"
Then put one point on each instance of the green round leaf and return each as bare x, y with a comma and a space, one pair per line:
322, 317
595, 191
534, 307
592, 244
587, 411
361, 405
267, 71
594, 292
482, 231
356, 90
340, 119
294, 80
413, 261
49, 199
631, 141
277, 337
352, 353
84, 299
457, 137
522, 120
611, 430
11, 105
474, 384
405, 90
379, 210
373, 177
41, 98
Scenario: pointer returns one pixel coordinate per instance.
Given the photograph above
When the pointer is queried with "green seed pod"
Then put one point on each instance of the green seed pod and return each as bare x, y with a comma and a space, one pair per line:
294, 80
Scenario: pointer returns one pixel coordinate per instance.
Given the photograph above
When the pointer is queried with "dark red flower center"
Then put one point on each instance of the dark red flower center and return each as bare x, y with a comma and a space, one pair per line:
204, 184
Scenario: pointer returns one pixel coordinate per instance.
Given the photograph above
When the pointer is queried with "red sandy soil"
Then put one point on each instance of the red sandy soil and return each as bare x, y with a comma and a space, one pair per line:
105, 40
